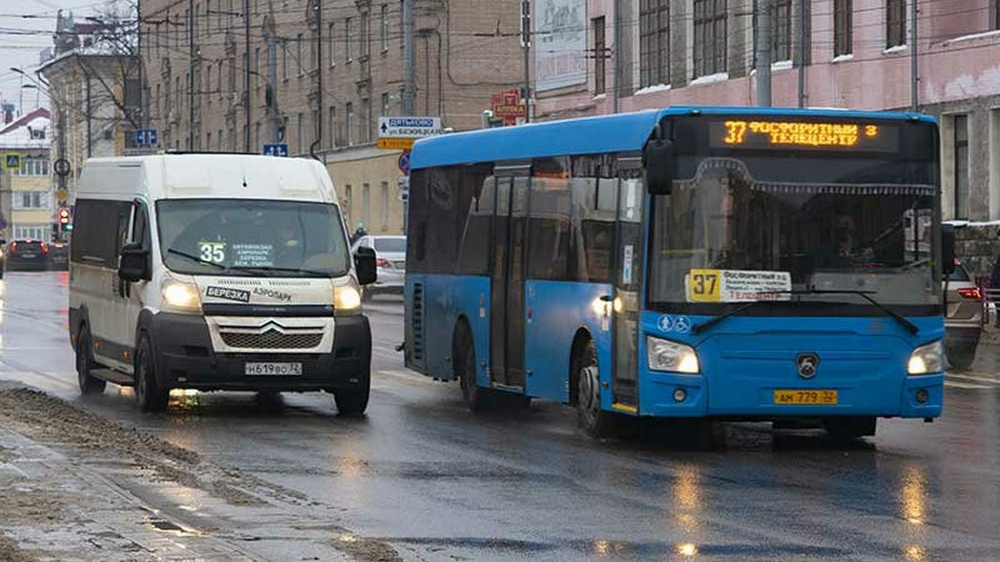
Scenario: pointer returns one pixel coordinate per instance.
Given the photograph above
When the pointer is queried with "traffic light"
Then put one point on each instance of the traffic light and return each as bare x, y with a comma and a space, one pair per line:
63, 216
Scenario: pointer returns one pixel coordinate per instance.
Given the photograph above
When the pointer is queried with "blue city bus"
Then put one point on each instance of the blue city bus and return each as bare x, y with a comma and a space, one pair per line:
693, 262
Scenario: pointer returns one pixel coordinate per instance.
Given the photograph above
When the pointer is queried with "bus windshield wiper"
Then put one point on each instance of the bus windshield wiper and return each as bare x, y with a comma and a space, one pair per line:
311, 272
702, 326
901, 320
195, 258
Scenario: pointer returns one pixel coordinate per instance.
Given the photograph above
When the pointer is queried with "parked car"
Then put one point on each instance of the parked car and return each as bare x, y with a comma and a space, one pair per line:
390, 257
58, 256
963, 318
27, 255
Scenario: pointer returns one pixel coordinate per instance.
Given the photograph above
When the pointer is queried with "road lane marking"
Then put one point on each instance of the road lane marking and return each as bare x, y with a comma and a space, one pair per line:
409, 377
971, 378
954, 384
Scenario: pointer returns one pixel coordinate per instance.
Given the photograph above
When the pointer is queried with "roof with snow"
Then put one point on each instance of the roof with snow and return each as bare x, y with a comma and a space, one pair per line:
31, 130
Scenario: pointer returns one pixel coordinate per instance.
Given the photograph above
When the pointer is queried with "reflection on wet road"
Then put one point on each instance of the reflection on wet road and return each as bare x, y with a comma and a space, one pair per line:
440, 484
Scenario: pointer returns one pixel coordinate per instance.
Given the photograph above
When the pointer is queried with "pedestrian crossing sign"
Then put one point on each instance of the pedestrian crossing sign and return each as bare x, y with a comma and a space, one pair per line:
11, 161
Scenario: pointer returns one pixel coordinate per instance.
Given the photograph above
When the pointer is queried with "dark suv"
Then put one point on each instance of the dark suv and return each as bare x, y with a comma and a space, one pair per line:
963, 320
26, 255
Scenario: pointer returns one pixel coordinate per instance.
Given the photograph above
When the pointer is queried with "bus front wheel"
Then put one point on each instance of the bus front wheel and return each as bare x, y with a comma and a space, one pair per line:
590, 417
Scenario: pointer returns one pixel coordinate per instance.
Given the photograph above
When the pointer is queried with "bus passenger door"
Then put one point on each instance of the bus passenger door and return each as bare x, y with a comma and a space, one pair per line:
507, 277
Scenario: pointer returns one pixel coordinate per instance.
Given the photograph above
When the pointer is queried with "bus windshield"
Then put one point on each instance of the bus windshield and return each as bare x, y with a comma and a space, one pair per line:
252, 237
745, 228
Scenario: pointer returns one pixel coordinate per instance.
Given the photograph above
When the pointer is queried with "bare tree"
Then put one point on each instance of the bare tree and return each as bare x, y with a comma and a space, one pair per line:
110, 56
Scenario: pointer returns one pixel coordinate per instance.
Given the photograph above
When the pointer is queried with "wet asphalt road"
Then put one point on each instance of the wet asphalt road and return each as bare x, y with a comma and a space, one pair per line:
439, 484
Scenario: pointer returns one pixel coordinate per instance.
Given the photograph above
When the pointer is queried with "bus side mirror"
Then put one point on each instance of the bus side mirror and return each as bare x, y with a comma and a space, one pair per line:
364, 263
947, 249
661, 166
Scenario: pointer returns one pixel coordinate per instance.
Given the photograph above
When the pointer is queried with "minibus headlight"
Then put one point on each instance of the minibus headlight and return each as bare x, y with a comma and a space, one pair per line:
181, 297
926, 359
346, 300
666, 355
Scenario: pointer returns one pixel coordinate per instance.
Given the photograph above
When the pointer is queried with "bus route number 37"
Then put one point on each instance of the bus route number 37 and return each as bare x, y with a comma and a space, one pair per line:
703, 285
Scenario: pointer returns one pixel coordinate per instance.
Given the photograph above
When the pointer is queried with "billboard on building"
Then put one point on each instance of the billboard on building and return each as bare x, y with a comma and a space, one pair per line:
560, 43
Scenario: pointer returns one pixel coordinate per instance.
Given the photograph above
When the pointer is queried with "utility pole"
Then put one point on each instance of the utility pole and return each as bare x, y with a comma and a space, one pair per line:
802, 52
246, 106
271, 35
409, 61
526, 46
191, 19
319, 75
615, 79
914, 70
764, 53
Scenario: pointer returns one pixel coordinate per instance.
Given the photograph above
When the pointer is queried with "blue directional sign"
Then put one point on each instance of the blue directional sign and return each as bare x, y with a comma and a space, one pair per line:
146, 137
277, 149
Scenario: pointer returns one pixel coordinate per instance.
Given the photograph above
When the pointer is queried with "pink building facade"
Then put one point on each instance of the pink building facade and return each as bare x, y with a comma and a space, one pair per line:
858, 55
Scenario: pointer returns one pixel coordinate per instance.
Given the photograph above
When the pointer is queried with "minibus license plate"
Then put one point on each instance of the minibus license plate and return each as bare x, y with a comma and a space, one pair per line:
805, 397
279, 369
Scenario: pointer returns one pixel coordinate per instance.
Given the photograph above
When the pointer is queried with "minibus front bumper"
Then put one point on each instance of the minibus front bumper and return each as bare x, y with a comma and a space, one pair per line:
185, 358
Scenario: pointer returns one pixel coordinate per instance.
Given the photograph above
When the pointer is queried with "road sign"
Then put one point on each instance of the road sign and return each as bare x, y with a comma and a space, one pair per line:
61, 167
62, 194
277, 149
12, 161
408, 127
395, 144
404, 163
144, 137
404, 189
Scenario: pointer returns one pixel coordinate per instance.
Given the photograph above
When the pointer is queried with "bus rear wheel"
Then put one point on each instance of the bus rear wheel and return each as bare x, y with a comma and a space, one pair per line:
590, 417
476, 398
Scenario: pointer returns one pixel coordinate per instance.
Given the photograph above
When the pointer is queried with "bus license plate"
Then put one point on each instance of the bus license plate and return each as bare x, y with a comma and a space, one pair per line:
277, 369
805, 397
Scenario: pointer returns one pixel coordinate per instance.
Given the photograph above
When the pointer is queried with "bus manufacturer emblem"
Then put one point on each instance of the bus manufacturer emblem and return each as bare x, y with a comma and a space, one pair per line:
807, 364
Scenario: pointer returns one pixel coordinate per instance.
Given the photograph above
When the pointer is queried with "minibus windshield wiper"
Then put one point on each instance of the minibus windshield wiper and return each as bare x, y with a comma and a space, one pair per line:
195, 258
910, 326
310, 272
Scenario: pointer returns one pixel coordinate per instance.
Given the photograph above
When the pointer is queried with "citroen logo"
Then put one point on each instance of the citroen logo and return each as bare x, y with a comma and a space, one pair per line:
807, 364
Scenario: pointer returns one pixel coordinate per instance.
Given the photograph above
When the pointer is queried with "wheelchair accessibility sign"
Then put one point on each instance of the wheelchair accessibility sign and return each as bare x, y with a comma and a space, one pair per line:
678, 324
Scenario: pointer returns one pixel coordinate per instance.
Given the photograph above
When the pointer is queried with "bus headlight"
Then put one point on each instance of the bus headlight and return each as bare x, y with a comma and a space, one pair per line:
665, 355
346, 300
926, 359
181, 298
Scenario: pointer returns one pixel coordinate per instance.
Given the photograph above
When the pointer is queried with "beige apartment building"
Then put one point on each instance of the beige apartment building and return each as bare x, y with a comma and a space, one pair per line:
26, 202
321, 72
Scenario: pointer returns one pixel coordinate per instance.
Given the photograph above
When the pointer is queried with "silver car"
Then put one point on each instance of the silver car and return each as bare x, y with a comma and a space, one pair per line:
390, 258
964, 318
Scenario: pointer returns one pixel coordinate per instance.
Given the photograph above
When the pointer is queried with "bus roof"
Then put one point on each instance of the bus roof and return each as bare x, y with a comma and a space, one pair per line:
620, 132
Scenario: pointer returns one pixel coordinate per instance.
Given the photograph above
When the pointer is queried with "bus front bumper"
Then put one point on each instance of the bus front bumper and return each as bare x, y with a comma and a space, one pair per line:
676, 395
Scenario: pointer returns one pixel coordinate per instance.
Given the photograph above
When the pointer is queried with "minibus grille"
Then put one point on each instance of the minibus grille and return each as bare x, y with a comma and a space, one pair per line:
271, 339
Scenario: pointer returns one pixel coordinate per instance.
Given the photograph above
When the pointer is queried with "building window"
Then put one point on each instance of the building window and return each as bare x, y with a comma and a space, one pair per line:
28, 200
208, 139
349, 124
385, 105
710, 40
331, 44
348, 39
843, 27
599, 45
895, 21
384, 26
654, 42
333, 127
781, 30
366, 44
348, 201
256, 65
208, 80
994, 14
366, 125
385, 206
256, 137
300, 127
961, 123
299, 43
284, 60
218, 142
33, 166
31, 232
366, 202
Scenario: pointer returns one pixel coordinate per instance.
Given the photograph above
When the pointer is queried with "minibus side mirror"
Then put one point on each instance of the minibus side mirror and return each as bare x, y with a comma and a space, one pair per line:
364, 263
947, 250
134, 263
660, 163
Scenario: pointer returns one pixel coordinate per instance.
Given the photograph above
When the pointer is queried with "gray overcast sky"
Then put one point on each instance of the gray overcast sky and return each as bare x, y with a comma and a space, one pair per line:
22, 51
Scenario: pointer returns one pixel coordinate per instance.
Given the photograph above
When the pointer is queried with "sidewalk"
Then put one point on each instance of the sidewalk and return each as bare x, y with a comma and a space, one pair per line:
75, 487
